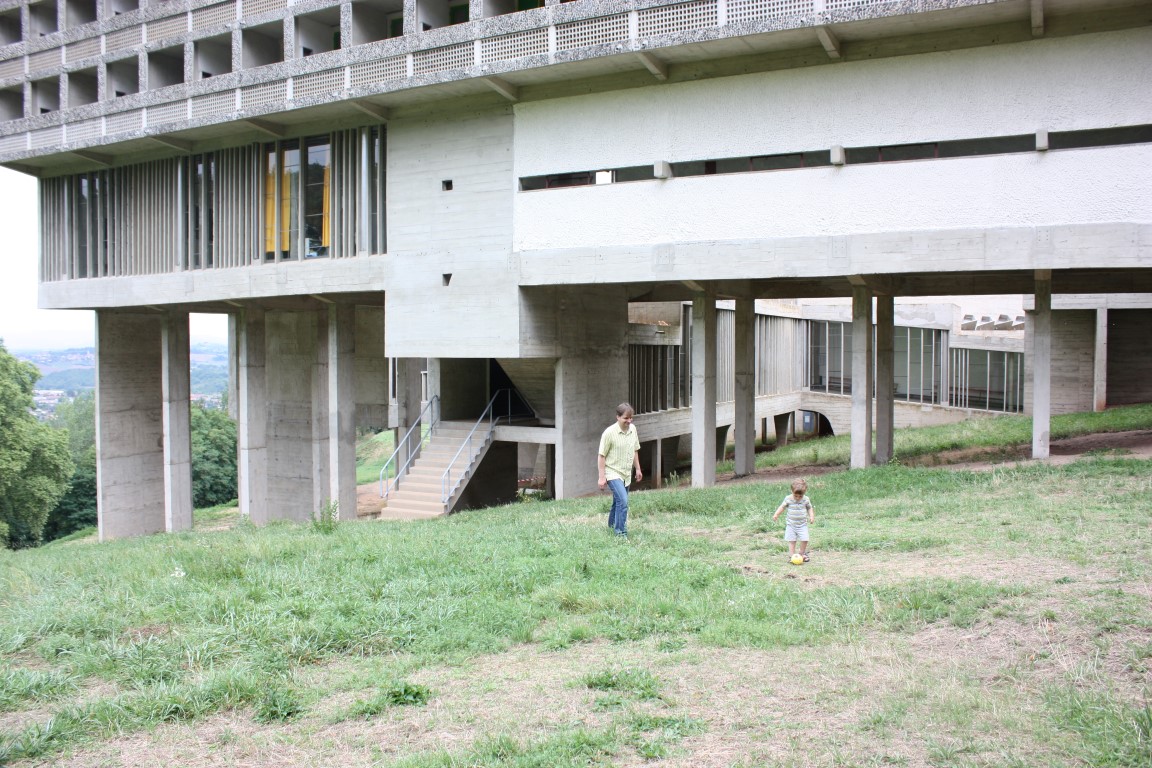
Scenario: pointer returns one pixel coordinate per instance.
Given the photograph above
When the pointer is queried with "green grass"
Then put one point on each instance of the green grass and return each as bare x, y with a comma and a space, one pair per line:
129, 635
371, 453
998, 434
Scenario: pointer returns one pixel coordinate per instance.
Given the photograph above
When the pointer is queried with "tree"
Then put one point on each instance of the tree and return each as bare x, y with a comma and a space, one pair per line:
34, 463
77, 508
213, 456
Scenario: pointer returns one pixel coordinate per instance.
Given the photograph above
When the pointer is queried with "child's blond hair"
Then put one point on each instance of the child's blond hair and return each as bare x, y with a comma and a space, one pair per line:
800, 484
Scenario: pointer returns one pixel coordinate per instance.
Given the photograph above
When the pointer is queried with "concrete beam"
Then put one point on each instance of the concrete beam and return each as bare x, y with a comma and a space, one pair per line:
503, 87
830, 42
274, 130
173, 143
658, 68
374, 110
1037, 18
100, 159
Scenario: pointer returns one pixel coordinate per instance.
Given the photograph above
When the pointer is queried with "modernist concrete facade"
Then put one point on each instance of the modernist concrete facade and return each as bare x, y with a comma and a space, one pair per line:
490, 187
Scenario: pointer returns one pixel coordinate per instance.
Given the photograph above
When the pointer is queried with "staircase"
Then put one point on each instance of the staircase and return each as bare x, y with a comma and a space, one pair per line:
420, 493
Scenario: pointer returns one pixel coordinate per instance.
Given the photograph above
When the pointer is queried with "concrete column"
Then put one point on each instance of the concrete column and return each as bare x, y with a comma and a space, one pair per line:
407, 403
321, 399
658, 464
1042, 366
1100, 363
781, 422
885, 380
744, 428
341, 346
130, 466
861, 377
290, 366
177, 423
591, 380
704, 390
252, 409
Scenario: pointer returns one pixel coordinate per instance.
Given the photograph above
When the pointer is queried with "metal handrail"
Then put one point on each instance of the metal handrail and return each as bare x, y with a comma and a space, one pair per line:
489, 414
434, 417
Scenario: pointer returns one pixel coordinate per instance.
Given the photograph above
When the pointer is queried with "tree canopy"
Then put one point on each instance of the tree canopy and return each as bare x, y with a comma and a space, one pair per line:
35, 466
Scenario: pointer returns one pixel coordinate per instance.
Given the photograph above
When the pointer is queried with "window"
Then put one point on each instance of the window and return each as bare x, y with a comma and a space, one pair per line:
988, 380
916, 365
201, 243
297, 199
830, 357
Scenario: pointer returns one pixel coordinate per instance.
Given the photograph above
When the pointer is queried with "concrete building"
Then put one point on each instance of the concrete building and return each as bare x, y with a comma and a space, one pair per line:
496, 187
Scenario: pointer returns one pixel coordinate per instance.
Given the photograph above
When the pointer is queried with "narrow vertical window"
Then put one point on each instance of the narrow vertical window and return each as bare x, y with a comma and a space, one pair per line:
290, 200
80, 226
316, 195
271, 192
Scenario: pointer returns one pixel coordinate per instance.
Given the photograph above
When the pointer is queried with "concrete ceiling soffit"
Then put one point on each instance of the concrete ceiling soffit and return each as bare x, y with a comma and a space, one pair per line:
268, 127
503, 87
173, 143
830, 41
1037, 18
374, 110
104, 161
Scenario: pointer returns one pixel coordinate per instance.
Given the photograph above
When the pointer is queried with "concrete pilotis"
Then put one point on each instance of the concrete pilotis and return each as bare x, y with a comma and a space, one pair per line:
744, 428
130, 397
1042, 365
861, 377
321, 398
704, 390
177, 422
252, 425
885, 383
1100, 363
407, 403
781, 422
341, 412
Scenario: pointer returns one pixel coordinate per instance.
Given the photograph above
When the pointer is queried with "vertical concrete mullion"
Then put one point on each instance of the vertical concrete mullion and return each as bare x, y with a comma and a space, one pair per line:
1042, 366
885, 384
177, 423
745, 387
342, 408
861, 377
252, 427
704, 390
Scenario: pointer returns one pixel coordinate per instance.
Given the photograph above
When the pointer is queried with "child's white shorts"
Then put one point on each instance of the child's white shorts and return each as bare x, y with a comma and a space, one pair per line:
796, 532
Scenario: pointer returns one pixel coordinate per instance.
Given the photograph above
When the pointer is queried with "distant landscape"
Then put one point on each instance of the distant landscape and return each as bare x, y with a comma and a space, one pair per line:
74, 370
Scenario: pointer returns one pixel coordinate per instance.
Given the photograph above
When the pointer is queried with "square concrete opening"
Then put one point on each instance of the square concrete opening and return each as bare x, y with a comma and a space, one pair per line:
262, 45
82, 87
11, 103
10, 26
45, 95
318, 32
79, 12
123, 77
166, 67
42, 19
374, 20
503, 7
117, 7
213, 56
433, 14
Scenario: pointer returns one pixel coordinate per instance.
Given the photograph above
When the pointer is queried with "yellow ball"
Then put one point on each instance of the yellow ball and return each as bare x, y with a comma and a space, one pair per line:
797, 560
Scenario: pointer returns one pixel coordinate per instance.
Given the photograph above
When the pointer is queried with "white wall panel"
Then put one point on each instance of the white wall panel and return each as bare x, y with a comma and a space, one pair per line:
1107, 184
1088, 81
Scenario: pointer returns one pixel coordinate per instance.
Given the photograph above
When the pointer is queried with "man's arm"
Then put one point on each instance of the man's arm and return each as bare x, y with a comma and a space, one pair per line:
603, 481
636, 466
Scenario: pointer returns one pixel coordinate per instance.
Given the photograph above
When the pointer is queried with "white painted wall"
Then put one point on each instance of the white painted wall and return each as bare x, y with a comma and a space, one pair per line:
1108, 184
1087, 81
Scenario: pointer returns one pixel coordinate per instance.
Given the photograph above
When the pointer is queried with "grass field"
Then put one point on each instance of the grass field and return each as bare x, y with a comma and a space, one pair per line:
948, 618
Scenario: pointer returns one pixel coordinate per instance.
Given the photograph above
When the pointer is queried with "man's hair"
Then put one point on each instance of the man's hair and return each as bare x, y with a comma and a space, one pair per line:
624, 409
799, 484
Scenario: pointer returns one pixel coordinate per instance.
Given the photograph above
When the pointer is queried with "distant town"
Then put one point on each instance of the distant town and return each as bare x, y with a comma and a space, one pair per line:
67, 373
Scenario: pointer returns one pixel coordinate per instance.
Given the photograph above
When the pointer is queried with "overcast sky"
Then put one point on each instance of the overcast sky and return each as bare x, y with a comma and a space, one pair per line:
22, 325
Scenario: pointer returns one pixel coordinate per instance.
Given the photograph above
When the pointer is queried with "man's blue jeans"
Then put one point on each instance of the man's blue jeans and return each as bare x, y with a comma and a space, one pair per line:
618, 515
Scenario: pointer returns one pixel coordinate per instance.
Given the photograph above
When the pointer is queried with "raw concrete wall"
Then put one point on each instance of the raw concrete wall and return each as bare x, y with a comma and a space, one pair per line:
291, 339
1073, 355
591, 380
1129, 361
450, 249
371, 369
463, 387
129, 424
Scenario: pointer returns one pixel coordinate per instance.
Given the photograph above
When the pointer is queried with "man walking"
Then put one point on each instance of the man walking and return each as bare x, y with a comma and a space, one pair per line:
619, 447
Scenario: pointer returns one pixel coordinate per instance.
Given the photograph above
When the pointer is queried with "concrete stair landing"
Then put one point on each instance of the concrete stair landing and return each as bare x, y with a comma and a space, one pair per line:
420, 491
